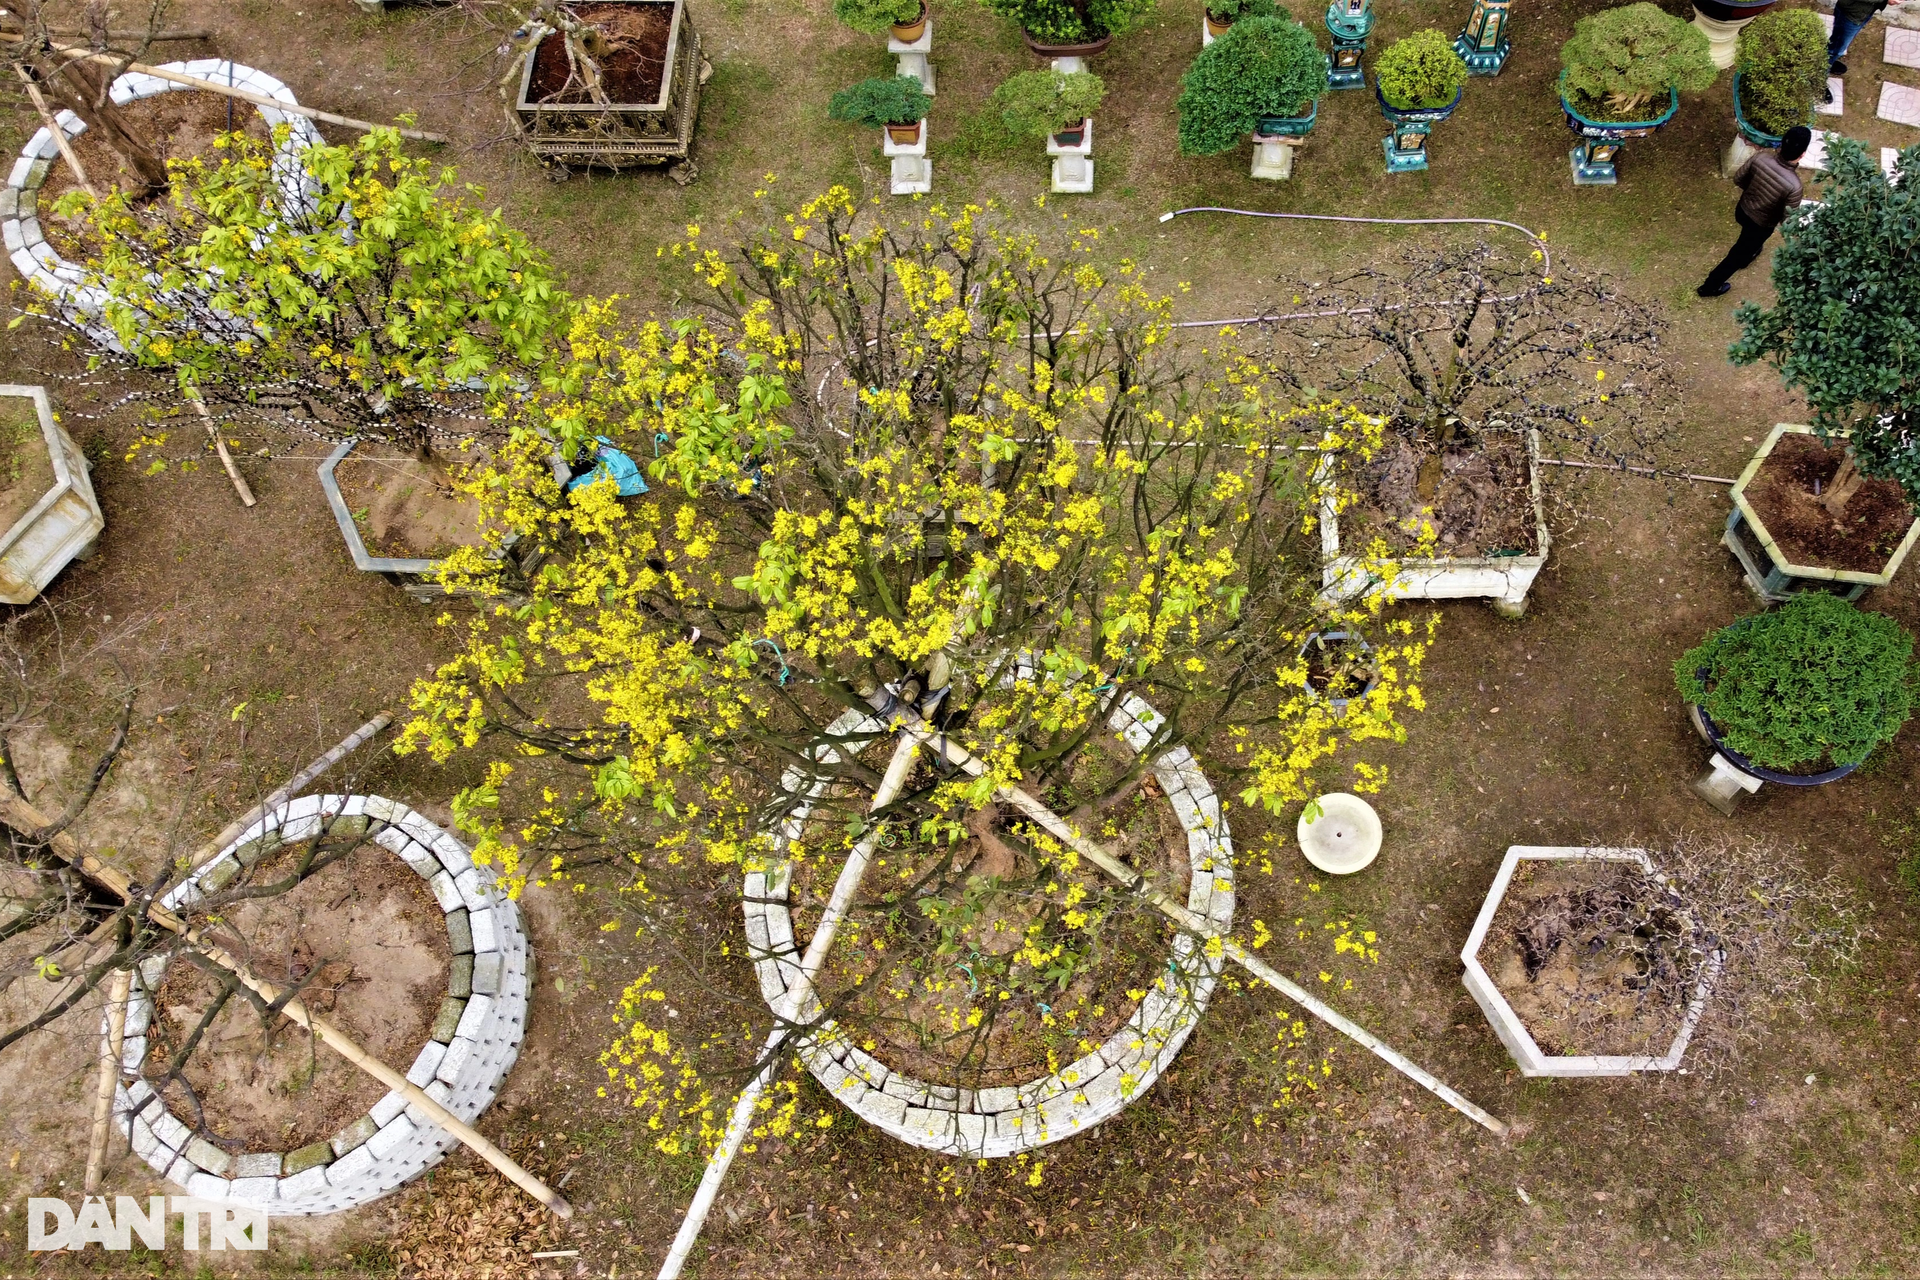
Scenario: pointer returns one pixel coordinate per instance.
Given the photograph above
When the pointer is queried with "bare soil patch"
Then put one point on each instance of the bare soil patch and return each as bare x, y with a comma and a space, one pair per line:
1784, 494
406, 507
634, 66
26, 470
1592, 956
1476, 497
369, 942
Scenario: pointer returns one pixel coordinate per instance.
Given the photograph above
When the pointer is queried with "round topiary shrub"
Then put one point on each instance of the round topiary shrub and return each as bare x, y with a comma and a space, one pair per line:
1261, 67
1038, 103
1620, 60
1782, 68
1065, 22
1420, 72
875, 17
1814, 683
882, 101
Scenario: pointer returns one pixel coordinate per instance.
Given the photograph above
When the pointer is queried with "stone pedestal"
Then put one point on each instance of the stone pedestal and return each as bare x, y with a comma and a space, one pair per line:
1206, 32
1483, 44
912, 171
915, 59
1723, 784
1072, 164
1273, 157
1723, 38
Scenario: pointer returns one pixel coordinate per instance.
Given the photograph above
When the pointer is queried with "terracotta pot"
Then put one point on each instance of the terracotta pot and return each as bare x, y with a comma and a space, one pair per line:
908, 32
1216, 27
1086, 50
904, 135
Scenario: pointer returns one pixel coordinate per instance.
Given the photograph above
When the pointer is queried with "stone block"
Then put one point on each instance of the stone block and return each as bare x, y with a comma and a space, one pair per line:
255, 1191
427, 1062
207, 1187
1005, 1098
352, 826
443, 891
446, 1024
261, 1164
473, 1020
303, 1185
257, 848
208, 1156
180, 1170
471, 889
307, 1157
354, 1135
219, 875
392, 1136
882, 1108
486, 972
460, 980
486, 936
459, 932
390, 1106
350, 1168
454, 1061
167, 1127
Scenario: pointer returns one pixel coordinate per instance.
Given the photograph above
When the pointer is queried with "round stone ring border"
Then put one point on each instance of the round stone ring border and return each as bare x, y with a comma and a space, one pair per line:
1003, 1121
20, 227
474, 1041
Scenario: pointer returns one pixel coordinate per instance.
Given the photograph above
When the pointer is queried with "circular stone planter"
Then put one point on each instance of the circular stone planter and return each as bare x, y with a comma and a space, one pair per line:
1513, 1033
27, 244
475, 1039
63, 525
1012, 1118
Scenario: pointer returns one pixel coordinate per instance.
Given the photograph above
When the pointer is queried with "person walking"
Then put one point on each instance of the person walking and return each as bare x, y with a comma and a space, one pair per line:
1850, 17
1769, 186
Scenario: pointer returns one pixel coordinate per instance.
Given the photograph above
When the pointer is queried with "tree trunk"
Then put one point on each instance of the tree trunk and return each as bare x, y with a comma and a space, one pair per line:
79, 86
1845, 483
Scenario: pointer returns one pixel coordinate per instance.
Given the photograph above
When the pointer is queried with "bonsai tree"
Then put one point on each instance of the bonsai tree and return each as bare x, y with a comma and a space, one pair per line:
1039, 103
386, 302
1847, 306
1815, 683
1782, 68
1073, 21
1261, 67
1420, 72
882, 101
1227, 12
875, 17
1620, 60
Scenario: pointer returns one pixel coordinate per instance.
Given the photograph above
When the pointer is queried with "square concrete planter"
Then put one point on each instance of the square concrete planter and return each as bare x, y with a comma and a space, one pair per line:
623, 134
1503, 581
1770, 573
62, 526
1513, 1033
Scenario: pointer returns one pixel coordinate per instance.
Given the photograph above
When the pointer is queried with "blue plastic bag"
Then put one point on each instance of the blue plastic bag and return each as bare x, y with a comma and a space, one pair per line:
611, 462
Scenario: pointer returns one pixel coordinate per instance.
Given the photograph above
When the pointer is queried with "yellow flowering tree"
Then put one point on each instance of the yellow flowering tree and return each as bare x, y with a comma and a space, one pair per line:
935, 468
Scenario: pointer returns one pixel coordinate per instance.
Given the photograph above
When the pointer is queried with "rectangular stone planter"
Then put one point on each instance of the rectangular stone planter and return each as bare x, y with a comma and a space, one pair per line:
62, 525
622, 135
1527, 1055
1503, 581
1771, 575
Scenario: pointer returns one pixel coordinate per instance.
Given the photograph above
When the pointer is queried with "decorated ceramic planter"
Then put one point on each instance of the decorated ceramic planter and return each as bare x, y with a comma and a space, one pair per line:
1722, 21
1348, 22
1772, 574
61, 524
1406, 146
1600, 141
1483, 44
654, 126
1754, 135
1502, 580
1520, 1042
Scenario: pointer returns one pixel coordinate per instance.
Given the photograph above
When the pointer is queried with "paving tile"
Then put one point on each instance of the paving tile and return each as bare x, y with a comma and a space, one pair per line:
1903, 48
1838, 88
1826, 20
1889, 156
1899, 103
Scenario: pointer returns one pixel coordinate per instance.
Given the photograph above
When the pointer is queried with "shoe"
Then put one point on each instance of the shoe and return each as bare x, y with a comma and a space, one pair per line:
1826, 96
1715, 291
1836, 68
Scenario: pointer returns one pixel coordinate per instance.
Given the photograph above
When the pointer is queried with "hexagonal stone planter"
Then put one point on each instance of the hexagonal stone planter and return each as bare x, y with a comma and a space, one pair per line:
63, 524
473, 1044
1513, 1033
1771, 574
1002, 1121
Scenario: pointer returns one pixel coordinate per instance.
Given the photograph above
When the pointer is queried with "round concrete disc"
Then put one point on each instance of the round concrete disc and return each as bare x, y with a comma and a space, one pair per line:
1345, 838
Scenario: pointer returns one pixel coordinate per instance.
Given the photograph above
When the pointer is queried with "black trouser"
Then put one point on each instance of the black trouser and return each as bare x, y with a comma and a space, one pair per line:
1753, 238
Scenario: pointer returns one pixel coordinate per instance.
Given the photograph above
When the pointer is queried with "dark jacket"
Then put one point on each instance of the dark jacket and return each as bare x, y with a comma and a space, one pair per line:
1768, 189
1859, 10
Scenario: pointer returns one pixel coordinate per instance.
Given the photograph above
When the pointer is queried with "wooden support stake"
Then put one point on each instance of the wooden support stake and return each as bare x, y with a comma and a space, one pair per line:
22, 816
111, 1043
60, 138
220, 447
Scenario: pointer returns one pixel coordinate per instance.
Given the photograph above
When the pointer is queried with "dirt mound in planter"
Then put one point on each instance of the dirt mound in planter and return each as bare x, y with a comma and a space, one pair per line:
407, 508
1594, 957
1477, 498
369, 941
1781, 493
633, 67
26, 469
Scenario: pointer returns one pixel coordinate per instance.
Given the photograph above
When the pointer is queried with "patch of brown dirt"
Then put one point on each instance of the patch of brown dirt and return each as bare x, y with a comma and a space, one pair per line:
406, 508
1476, 497
369, 941
633, 68
26, 471
1784, 494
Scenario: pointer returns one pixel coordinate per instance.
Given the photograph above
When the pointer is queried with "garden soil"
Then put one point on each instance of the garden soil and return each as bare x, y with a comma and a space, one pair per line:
1477, 500
1783, 495
634, 67
26, 468
407, 508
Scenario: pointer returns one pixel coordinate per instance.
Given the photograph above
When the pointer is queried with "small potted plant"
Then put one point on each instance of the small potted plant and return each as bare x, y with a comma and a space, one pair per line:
1064, 29
1418, 80
1043, 104
1621, 77
1263, 77
1802, 694
1780, 74
903, 19
895, 103
1222, 14
1339, 668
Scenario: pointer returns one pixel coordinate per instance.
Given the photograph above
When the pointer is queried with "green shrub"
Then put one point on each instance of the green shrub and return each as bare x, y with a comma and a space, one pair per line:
1037, 103
1783, 68
874, 17
1620, 60
1261, 67
1061, 22
1234, 10
882, 101
1421, 71
1815, 682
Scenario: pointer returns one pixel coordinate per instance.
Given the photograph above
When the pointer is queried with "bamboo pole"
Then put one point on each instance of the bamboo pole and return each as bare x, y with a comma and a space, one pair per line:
244, 95
60, 138
22, 816
799, 995
1198, 925
297, 782
220, 447
112, 1041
